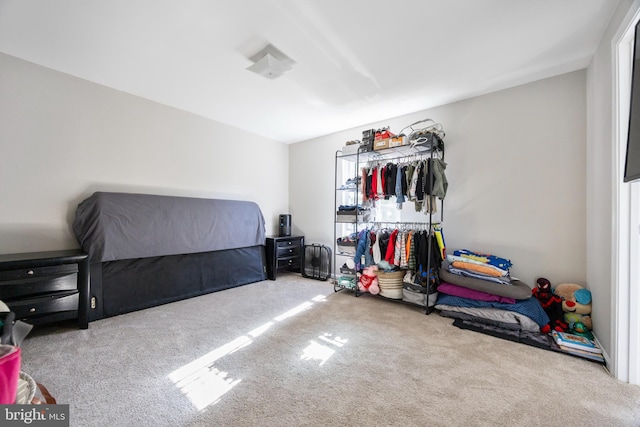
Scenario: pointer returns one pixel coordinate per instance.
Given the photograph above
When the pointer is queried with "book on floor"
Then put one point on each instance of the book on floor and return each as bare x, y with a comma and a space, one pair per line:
575, 341
582, 353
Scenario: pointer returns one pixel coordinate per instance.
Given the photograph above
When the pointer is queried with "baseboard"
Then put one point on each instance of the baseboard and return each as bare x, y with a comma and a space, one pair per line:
605, 355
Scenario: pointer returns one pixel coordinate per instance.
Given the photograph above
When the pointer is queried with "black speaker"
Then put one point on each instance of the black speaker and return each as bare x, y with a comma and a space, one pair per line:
285, 225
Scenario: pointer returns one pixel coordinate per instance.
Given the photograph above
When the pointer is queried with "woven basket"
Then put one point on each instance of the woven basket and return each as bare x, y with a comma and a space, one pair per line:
26, 389
390, 283
390, 274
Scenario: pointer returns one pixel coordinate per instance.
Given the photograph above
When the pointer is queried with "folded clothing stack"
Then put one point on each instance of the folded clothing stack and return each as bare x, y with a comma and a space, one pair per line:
478, 287
349, 213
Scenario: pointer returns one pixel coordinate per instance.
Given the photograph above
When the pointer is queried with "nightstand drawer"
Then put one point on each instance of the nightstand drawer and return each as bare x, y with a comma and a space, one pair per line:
46, 304
285, 242
29, 273
12, 289
291, 263
46, 287
288, 251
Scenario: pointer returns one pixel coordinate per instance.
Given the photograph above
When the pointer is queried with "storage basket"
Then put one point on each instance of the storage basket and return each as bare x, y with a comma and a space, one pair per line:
26, 389
390, 283
348, 282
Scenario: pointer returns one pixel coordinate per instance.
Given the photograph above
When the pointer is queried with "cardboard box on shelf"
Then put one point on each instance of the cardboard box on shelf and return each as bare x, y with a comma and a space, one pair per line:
397, 141
381, 144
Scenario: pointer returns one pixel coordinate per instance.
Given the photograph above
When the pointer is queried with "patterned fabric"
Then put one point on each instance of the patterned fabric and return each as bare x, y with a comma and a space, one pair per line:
403, 249
411, 262
397, 253
496, 261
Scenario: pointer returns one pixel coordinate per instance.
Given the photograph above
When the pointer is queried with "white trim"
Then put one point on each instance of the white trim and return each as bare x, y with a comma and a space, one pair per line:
624, 243
634, 283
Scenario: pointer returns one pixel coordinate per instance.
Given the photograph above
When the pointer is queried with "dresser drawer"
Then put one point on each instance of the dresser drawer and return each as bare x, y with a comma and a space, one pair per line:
38, 284
45, 304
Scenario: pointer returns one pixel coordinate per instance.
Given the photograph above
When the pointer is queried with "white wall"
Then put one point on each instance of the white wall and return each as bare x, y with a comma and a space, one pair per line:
62, 138
516, 172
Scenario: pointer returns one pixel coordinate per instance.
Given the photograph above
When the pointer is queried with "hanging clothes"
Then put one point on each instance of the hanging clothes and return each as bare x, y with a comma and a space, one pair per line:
390, 180
400, 197
365, 184
440, 183
391, 247
383, 243
377, 256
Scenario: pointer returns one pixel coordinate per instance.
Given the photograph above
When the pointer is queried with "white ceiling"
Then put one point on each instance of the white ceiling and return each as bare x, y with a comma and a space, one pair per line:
357, 61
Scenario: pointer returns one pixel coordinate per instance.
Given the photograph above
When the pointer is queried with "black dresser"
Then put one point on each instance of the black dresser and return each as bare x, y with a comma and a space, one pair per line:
284, 253
44, 287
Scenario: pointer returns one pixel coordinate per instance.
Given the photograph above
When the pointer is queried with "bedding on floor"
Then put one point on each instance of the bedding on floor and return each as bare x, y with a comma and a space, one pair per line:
516, 290
529, 307
491, 316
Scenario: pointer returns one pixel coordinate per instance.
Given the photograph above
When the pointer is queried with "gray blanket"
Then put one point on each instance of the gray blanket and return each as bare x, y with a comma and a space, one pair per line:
118, 226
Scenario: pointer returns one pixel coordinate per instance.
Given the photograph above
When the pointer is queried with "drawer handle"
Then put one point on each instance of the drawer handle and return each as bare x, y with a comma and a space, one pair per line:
32, 310
290, 250
30, 272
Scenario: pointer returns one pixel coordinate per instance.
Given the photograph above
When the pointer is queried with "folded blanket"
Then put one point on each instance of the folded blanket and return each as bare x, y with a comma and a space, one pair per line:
454, 258
530, 307
504, 280
496, 261
461, 291
490, 316
517, 290
484, 269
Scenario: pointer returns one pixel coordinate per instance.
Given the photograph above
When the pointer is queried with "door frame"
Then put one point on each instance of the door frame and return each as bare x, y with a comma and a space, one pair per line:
625, 215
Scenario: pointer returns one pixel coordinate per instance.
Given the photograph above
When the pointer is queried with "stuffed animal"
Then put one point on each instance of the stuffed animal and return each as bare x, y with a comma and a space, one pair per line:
552, 305
576, 304
368, 280
579, 328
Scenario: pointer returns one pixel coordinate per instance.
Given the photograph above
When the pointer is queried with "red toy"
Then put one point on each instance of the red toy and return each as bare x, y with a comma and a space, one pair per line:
369, 280
552, 305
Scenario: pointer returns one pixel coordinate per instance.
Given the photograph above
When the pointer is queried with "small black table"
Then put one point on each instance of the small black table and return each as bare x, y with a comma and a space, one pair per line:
45, 287
284, 252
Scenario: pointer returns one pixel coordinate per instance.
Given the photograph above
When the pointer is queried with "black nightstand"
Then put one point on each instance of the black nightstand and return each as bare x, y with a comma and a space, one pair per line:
44, 287
284, 252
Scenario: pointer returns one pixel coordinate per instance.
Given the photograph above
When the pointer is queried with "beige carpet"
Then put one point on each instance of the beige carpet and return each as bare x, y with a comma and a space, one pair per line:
294, 353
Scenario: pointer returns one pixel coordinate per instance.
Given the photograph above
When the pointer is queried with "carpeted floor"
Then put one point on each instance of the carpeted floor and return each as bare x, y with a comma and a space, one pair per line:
292, 352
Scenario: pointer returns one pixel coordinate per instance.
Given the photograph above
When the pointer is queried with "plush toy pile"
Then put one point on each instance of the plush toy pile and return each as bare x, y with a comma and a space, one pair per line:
568, 306
576, 305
